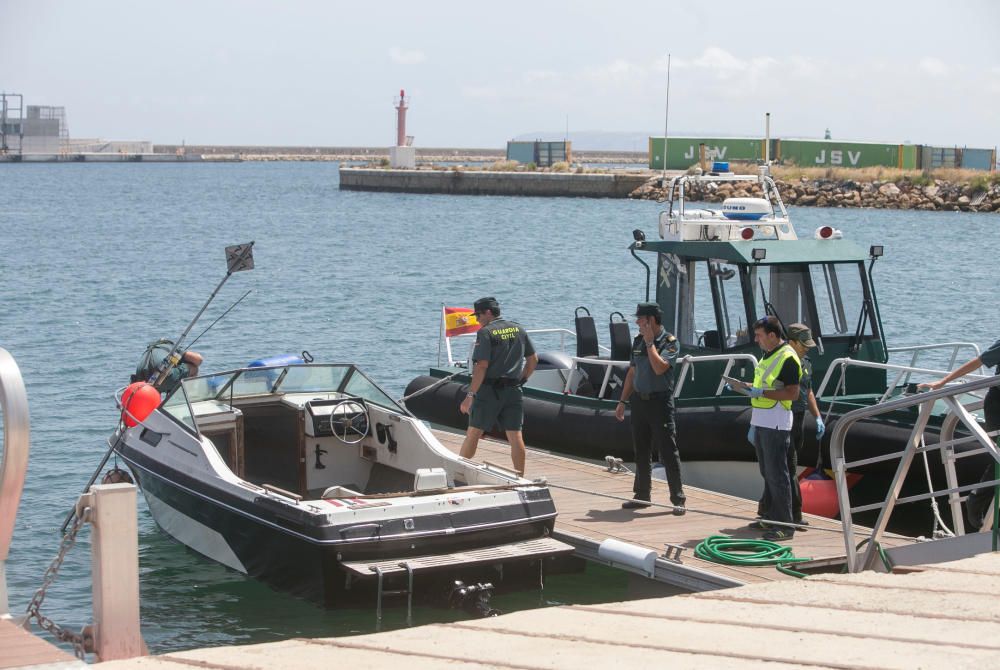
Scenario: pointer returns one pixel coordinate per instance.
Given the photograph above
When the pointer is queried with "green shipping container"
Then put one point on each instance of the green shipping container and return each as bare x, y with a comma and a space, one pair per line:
829, 153
683, 152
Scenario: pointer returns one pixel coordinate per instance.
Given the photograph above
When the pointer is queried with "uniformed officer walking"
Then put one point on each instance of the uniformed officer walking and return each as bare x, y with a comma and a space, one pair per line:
503, 359
649, 388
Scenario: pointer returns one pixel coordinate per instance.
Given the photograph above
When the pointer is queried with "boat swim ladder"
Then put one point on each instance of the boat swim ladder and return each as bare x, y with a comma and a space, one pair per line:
915, 445
14, 464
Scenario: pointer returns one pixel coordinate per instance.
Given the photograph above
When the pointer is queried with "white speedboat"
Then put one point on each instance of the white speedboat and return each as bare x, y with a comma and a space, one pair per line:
312, 479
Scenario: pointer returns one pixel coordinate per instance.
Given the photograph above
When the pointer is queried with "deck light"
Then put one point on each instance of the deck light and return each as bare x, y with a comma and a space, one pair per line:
758, 254
875, 251
640, 239
824, 233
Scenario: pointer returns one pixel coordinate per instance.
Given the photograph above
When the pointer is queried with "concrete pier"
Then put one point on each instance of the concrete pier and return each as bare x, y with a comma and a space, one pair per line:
482, 182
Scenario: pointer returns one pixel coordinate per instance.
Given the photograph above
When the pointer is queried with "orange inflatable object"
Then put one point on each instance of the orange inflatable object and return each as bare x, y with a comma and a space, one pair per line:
819, 497
139, 399
819, 492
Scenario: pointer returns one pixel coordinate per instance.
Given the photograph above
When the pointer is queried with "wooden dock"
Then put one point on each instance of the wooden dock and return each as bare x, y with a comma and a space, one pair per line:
20, 648
588, 499
942, 616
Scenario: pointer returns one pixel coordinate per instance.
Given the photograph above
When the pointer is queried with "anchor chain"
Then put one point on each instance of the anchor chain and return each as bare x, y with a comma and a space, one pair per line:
82, 642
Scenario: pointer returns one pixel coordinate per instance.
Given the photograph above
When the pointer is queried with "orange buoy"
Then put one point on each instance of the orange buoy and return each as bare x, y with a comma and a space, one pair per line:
819, 497
138, 402
819, 492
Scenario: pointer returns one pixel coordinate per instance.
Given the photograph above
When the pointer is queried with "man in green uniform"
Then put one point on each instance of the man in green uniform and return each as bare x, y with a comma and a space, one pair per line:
153, 358
649, 386
503, 359
978, 503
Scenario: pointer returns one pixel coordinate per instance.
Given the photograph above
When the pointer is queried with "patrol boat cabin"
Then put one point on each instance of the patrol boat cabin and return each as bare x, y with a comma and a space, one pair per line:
714, 272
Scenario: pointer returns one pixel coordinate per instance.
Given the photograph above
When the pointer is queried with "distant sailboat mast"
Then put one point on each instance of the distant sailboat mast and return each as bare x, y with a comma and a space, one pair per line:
666, 121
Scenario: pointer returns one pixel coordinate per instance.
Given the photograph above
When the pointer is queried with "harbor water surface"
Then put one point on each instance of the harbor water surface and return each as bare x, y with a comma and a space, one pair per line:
98, 260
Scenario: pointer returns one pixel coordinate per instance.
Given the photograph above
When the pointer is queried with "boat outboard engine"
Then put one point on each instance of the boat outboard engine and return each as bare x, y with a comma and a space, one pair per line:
473, 598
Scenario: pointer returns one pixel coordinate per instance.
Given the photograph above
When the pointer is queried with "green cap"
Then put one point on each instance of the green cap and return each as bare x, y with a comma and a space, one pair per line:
800, 333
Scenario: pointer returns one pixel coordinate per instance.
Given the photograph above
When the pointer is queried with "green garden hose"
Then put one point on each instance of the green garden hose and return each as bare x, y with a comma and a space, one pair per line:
732, 551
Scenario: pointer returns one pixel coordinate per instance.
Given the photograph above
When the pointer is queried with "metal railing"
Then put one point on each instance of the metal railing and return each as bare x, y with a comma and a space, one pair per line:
915, 445
562, 332
688, 362
917, 350
607, 364
842, 364
14, 466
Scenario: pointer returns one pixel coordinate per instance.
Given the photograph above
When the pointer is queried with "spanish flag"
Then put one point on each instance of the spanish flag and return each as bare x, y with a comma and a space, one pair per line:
459, 320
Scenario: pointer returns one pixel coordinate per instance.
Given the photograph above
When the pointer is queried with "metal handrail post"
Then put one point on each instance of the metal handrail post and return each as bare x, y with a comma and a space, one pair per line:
871, 551
926, 402
948, 462
14, 465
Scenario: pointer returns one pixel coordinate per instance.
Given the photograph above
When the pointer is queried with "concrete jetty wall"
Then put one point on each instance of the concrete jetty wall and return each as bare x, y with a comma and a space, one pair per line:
468, 182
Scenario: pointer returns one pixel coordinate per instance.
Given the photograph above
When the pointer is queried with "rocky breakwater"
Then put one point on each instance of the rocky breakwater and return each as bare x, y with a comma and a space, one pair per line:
982, 195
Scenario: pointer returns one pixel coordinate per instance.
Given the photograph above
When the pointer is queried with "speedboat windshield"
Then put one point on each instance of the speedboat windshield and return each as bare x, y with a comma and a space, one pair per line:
342, 379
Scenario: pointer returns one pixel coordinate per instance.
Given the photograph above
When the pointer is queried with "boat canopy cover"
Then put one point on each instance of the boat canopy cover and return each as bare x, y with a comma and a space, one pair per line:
778, 251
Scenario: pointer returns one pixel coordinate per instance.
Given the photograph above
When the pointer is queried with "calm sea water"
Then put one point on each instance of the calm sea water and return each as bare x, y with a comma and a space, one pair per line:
96, 260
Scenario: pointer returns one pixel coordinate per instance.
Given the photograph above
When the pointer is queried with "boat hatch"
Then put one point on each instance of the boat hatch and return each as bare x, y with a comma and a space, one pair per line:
527, 549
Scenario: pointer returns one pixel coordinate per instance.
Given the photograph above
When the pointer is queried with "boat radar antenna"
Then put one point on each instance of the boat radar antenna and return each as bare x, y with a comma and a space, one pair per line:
239, 257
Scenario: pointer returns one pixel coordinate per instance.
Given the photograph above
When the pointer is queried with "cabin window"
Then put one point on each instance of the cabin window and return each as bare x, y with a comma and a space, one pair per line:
727, 281
718, 318
840, 297
786, 288
703, 314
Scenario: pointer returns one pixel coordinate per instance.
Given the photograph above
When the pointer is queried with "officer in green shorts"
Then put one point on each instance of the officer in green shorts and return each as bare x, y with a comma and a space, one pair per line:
503, 359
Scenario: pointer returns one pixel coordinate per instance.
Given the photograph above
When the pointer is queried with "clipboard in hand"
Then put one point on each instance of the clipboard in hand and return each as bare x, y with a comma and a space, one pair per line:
738, 385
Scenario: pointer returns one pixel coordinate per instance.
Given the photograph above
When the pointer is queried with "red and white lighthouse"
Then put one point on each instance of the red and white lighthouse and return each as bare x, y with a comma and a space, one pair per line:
401, 118
403, 155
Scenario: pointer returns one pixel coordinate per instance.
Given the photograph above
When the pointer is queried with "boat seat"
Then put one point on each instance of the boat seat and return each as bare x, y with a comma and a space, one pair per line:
586, 334
711, 340
621, 338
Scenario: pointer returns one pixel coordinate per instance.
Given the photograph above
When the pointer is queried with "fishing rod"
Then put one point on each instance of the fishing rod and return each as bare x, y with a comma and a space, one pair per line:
239, 257
233, 306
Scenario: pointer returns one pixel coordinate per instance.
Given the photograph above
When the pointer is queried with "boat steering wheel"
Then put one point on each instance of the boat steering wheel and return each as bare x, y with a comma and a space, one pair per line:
349, 421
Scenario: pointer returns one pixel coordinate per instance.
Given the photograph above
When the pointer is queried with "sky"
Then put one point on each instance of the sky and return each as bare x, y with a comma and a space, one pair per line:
303, 73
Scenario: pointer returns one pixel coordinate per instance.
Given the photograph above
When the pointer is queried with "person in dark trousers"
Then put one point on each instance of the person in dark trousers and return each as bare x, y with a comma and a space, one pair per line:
775, 386
503, 359
800, 339
978, 502
649, 387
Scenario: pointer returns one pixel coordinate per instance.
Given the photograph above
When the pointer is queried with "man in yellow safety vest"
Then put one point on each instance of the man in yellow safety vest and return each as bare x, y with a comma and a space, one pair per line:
775, 386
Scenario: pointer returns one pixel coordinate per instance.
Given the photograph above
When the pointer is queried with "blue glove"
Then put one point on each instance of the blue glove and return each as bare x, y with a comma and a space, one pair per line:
820, 427
756, 392
727, 387
751, 434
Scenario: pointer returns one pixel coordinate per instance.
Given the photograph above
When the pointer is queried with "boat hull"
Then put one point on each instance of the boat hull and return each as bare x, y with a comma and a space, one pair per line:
306, 560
